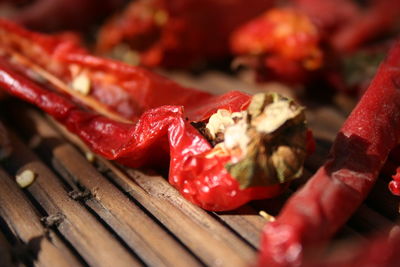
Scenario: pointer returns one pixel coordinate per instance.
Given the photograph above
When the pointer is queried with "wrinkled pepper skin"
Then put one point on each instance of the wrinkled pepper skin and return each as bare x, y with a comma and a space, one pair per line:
158, 115
179, 33
315, 212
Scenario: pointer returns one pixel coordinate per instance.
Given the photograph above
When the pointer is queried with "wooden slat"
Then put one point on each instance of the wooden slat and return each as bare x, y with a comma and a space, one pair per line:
200, 232
25, 223
246, 222
139, 231
160, 188
94, 243
210, 240
218, 83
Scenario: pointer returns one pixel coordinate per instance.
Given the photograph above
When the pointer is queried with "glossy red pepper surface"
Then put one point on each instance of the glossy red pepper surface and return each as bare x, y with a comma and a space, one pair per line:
148, 117
315, 212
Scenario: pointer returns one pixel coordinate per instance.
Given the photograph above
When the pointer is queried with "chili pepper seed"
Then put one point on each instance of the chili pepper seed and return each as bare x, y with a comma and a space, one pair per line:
26, 178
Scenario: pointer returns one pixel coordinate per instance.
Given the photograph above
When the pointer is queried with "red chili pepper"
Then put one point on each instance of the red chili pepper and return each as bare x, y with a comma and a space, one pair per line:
137, 117
177, 33
284, 42
293, 42
314, 213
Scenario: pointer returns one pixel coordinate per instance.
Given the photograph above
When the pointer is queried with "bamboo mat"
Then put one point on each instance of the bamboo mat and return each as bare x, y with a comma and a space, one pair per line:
84, 213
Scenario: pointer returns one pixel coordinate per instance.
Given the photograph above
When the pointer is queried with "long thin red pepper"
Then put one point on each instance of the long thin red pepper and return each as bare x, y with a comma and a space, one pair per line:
160, 112
329, 198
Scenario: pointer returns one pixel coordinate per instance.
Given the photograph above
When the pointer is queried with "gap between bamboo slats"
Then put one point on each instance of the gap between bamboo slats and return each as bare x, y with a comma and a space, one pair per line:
154, 246
25, 224
205, 243
94, 243
245, 221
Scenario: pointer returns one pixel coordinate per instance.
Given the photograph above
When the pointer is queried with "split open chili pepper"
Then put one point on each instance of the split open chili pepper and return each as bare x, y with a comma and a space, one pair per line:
179, 33
315, 212
139, 118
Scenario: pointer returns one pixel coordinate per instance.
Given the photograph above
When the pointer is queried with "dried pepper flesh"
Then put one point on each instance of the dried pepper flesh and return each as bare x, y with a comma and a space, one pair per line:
315, 212
139, 118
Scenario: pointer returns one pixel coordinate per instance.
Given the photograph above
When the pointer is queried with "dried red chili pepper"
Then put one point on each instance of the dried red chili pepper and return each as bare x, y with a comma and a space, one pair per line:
282, 43
287, 43
177, 33
316, 211
138, 117
291, 43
